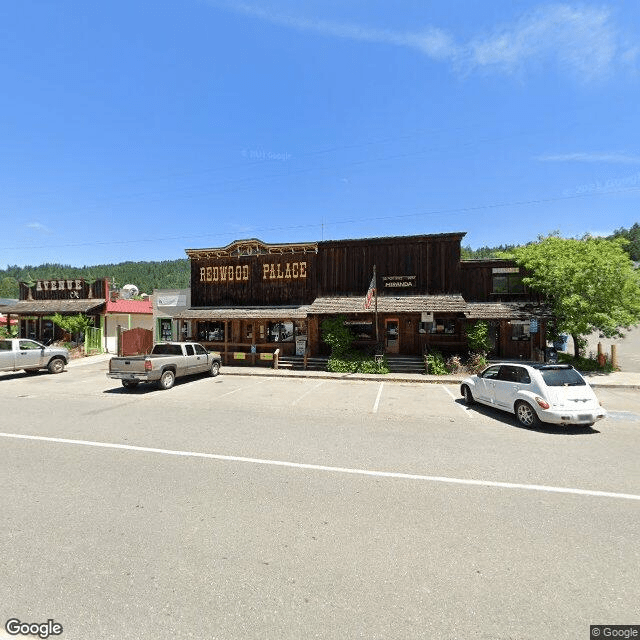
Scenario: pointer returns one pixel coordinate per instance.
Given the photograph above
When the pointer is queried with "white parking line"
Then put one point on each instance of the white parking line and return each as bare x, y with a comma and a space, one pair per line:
377, 402
304, 395
465, 409
319, 467
230, 392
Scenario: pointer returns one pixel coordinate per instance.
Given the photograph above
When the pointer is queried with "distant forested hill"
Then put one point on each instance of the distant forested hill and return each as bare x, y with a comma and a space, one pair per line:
485, 252
633, 236
147, 276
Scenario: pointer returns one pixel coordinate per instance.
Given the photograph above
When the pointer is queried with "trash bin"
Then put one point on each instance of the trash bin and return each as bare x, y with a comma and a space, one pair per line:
551, 355
561, 343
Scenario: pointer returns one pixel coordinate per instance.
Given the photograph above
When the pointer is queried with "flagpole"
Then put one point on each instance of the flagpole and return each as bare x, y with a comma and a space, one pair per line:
375, 293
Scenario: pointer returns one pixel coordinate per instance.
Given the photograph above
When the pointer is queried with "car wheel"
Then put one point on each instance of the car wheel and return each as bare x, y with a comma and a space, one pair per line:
467, 395
215, 369
130, 384
166, 380
56, 365
526, 414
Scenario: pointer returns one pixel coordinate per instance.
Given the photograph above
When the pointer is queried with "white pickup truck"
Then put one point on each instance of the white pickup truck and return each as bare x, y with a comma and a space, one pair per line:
21, 353
166, 362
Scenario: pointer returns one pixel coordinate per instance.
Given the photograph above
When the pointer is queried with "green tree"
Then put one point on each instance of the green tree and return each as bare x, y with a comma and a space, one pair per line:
590, 284
9, 287
74, 325
10, 331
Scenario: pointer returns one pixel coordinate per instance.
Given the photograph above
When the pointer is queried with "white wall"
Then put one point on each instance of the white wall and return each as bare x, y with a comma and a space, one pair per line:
126, 321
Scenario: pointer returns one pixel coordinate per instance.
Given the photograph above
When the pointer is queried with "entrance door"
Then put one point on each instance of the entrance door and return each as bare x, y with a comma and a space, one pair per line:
391, 336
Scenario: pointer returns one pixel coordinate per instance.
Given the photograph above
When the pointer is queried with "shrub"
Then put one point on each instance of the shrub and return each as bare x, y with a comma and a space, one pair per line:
454, 365
343, 358
337, 335
435, 364
355, 362
476, 363
586, 364
478, 337
8, 332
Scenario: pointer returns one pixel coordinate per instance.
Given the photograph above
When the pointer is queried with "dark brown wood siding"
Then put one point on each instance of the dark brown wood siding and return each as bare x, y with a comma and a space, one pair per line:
405, 265
265, 280
65, 289
477, 282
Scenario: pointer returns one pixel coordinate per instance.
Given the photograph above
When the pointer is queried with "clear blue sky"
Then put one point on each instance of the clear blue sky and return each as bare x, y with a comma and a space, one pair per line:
132, 130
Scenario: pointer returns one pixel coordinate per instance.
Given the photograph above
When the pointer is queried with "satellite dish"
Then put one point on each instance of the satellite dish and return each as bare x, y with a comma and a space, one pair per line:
129, 291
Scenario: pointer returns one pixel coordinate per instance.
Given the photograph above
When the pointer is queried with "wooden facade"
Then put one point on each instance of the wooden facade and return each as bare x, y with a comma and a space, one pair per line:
253, 273
41, 299
250, 298
421, 264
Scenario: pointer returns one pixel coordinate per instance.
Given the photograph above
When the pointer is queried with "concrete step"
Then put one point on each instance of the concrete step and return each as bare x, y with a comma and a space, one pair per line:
405, 364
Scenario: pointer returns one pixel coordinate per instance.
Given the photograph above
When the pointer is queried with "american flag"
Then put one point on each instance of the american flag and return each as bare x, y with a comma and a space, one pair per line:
370, 292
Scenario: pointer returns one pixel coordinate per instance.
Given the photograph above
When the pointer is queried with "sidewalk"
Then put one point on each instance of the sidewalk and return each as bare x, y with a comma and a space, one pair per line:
617, 380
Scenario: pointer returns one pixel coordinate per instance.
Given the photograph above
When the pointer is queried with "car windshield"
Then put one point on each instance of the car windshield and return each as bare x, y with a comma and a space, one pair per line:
562, 378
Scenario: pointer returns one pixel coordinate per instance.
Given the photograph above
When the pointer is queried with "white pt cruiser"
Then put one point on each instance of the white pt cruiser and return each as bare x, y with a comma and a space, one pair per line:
554, 393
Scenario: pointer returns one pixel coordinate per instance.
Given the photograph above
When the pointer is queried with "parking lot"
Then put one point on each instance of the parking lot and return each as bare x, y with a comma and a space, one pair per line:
263, 507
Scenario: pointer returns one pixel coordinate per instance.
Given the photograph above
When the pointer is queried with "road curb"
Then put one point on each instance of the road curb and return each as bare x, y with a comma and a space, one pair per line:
596, 382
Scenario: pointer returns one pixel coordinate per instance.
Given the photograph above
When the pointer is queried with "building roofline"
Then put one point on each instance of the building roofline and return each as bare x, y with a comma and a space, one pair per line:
458, 235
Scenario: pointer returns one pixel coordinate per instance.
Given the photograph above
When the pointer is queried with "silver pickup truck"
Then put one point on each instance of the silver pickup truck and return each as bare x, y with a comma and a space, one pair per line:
21, 353
166, 362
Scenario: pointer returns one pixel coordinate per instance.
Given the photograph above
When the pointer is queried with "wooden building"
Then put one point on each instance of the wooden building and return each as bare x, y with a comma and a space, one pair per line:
40, 300
250, 298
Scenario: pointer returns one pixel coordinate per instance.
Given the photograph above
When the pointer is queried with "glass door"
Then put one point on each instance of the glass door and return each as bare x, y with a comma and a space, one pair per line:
391, 336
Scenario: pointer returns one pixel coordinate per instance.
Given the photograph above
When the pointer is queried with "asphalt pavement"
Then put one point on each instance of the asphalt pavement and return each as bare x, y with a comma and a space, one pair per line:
277, 505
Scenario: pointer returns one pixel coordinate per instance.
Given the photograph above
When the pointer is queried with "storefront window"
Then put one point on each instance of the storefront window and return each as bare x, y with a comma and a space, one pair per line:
443, 325
280, 332
211, 331
520, 330
361, 330
165, 329
508, 283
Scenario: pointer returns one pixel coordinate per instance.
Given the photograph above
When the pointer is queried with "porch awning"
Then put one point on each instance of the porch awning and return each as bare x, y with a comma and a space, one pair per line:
243, 313
49, 307
389, 304
504, 311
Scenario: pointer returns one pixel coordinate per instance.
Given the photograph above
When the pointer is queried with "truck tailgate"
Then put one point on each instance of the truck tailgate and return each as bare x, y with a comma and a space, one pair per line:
133, 364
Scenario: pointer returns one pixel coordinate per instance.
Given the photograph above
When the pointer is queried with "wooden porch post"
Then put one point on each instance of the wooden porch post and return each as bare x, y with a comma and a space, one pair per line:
226, 340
